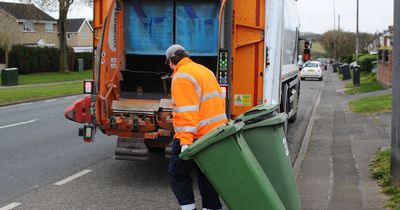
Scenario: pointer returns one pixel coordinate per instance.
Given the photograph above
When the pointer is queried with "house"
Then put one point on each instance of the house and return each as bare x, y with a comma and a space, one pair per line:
385, 40
385, 58
26, 24
79, 35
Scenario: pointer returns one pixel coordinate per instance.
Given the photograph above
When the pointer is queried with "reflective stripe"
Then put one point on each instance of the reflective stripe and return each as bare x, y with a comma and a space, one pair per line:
212, 95
186, 108
212, 120
191, 78
190, 129
188, 206
209, 95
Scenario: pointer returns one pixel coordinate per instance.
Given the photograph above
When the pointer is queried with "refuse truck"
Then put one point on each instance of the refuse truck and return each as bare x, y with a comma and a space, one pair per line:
252, 47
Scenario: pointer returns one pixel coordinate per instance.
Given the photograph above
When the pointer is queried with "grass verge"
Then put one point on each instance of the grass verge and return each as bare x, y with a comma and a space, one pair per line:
23, 94
49, 77
371, 104
380, 168
368, 83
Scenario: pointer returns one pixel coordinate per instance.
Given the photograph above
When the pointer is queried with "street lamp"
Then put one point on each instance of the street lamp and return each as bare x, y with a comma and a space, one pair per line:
334, 30
357, 35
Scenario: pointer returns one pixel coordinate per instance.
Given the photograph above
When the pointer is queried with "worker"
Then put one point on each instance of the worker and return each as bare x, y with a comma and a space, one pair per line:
198, 107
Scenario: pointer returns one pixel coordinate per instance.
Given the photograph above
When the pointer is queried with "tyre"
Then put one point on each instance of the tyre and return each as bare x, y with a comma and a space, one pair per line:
285, 105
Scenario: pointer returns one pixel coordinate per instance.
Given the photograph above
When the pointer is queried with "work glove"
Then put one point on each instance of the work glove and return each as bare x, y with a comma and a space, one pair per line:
184, 147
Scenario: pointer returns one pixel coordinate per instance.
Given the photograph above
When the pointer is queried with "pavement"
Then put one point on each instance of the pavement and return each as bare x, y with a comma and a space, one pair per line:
40, 84
333, 164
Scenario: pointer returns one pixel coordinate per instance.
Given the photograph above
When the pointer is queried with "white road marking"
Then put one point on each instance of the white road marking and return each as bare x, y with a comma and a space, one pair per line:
331, 179
17, 105
70, 178
70, 97
21, 123
51, 100
10, 206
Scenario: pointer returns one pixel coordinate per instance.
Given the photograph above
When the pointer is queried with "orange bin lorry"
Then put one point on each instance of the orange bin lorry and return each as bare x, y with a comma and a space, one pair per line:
250, 45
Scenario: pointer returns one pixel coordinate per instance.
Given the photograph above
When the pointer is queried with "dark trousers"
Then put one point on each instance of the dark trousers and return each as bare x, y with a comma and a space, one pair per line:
181, 182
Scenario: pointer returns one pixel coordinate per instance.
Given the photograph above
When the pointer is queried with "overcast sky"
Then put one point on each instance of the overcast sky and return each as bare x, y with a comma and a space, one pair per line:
317, 15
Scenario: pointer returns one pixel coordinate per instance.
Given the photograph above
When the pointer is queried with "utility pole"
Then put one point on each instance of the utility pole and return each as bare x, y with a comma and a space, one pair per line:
395, 145
357, 37
334, 30
339, 23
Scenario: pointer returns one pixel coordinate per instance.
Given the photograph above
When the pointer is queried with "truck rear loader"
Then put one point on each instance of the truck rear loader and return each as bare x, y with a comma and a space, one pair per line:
250, 45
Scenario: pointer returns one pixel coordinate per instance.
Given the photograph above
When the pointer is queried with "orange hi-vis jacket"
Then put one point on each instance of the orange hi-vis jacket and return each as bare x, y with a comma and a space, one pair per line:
198, 102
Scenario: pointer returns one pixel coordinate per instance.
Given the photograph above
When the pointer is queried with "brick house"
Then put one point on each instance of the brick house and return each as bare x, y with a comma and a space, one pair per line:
26, 24
79, 34
385, 67
385, 59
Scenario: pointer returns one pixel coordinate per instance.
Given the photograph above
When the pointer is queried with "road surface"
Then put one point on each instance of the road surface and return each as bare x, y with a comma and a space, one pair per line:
45, 165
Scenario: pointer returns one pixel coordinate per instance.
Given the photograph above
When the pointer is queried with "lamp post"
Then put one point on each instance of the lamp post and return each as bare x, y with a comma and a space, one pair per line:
395, 144
334, 30
357, 34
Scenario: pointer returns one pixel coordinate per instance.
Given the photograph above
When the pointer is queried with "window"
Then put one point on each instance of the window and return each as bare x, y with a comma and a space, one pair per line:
28, 27
84, 35
49, 27
69, 36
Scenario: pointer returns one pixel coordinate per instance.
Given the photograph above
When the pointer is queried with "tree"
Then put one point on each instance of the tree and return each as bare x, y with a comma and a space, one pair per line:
63, 9
345, 43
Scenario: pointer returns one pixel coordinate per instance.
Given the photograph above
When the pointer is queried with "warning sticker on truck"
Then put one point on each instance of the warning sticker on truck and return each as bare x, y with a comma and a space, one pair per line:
242, 100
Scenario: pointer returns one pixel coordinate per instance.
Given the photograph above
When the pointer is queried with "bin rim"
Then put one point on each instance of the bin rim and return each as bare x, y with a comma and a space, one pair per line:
212, 137
257, 112
275, 120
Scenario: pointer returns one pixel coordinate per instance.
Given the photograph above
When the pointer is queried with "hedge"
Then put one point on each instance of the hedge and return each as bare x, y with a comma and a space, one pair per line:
87, 60
365, 62
43, 59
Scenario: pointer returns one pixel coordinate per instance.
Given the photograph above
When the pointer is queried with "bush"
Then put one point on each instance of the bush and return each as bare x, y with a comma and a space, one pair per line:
365, 62
37, 59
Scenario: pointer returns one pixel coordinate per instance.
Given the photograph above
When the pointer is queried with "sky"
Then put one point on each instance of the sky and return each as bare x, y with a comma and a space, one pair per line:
316, 15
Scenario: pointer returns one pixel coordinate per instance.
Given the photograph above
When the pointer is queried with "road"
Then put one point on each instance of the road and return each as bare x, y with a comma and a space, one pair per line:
45, 165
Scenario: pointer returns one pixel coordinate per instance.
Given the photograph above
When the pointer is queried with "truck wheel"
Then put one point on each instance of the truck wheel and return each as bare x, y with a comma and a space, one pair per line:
296, 107
285, 106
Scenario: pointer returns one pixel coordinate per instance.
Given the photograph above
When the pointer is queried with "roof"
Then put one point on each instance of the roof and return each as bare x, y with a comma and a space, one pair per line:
73, 25
25, 12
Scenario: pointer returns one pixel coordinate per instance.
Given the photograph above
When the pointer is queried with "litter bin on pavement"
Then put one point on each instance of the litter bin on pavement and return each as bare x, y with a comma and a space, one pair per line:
264, 134
80, 64
356, 75
335, 67
225, 158
9, 76
345, 71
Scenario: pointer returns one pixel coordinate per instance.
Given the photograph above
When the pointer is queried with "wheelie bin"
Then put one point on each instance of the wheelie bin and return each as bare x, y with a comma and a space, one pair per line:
264, 134
227, 161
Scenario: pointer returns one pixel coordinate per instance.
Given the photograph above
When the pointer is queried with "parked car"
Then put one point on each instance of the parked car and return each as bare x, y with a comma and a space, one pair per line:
312, 69
324, 63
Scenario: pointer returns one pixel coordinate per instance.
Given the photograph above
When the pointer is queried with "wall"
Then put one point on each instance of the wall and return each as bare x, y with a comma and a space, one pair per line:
385, 67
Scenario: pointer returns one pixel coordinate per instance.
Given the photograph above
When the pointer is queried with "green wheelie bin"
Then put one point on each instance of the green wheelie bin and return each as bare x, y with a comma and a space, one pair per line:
224, 157
264, 134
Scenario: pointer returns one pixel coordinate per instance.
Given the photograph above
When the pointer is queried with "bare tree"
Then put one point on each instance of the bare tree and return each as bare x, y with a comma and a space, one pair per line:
63, 9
